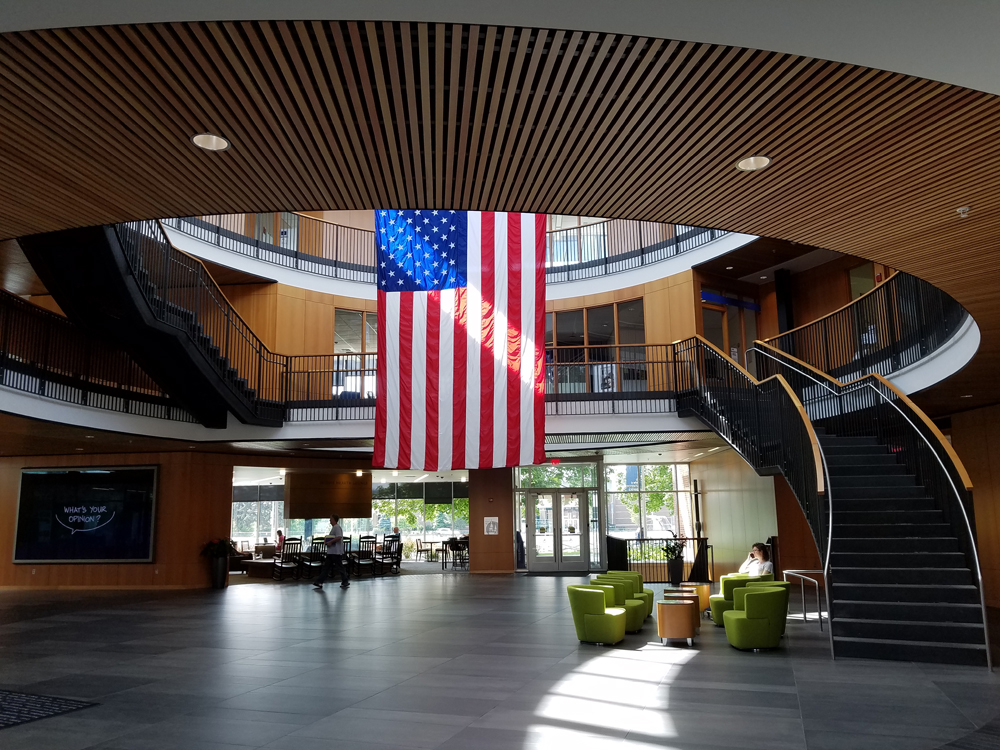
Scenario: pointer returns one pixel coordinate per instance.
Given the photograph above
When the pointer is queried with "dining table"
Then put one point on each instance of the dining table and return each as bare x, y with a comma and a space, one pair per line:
432, 550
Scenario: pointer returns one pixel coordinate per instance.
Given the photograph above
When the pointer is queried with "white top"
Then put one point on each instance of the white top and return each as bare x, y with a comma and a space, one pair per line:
335, 547
755, 567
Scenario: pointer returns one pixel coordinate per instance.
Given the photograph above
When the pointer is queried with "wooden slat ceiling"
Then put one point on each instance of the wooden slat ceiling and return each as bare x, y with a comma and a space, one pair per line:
95, 126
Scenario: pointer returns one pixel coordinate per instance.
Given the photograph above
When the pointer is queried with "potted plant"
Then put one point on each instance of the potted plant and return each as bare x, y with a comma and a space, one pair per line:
217, 551
673, 550
572, 529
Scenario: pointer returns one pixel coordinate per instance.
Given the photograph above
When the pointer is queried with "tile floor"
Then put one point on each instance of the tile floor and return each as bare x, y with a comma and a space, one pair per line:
453, 661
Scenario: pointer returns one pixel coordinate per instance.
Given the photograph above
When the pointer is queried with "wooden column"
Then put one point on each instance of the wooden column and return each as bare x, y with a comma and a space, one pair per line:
491, 493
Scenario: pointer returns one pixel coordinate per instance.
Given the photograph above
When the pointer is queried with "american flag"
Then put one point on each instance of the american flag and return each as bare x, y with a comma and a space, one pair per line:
461, 327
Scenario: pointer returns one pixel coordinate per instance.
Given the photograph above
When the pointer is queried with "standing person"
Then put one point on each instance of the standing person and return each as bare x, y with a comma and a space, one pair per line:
280, 542
334, 556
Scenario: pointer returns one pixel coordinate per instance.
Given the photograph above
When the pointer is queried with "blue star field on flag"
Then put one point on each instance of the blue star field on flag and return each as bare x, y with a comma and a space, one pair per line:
421, 251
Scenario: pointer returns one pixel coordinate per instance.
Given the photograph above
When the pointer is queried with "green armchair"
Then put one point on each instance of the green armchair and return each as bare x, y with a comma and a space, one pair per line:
759, 624
639, 592
635, 609
596, 618
721, 603
783, 585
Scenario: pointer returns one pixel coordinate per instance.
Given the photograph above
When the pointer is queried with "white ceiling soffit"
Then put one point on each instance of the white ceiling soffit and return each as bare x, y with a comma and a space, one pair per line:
952, 41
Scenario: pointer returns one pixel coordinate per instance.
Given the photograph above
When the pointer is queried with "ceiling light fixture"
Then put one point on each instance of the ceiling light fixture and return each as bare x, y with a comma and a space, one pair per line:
753, 163
395, 473
963, 212
729, 268
967, 395
763, 277
465, 479
281, 472
359, 473
210, 142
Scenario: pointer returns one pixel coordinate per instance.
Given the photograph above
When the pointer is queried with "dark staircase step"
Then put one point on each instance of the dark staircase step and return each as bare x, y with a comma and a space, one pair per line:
853, 450
908, 530
892, 592
921, 611
835, 441
897, 559
841, 492
921, 651
888, 516
857, 470
904, 576
874, 481
861, 459
897, 544
885, 503
910, 630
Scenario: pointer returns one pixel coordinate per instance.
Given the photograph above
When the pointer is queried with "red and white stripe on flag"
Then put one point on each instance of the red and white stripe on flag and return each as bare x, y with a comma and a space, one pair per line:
460, 378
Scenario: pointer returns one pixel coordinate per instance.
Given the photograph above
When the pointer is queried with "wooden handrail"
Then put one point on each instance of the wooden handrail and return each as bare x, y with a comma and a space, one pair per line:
933, 428
874, 289
813, 440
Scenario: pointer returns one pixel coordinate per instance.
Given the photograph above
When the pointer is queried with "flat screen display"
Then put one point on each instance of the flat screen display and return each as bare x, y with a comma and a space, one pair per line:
86, 515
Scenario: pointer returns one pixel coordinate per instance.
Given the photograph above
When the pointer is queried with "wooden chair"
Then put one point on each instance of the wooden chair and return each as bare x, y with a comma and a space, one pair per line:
288, 561
311, 562
420, 550
391, 556
364, 558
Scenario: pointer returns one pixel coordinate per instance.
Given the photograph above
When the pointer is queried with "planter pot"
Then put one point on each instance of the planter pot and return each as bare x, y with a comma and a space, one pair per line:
675, 571
219, 570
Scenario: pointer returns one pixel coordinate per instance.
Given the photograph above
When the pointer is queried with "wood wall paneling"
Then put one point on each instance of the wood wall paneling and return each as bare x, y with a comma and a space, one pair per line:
257, 304
491, 493
975, 437
796, 545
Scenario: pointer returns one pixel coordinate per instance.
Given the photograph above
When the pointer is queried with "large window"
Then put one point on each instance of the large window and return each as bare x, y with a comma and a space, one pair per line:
596, 350
259, 512
431, 511
648, 500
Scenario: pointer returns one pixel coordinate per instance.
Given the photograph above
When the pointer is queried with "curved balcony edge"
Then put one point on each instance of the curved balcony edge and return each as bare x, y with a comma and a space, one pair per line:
942, 363
34, 406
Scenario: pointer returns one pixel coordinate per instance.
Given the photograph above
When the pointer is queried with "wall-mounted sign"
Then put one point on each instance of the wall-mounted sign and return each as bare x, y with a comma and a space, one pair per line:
86, 515
491, 526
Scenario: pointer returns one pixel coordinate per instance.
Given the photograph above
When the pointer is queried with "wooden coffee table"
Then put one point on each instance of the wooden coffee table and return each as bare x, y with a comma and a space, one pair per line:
258, 568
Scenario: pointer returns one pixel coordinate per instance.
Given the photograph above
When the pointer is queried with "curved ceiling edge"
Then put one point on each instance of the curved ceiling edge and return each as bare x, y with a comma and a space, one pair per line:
951, 42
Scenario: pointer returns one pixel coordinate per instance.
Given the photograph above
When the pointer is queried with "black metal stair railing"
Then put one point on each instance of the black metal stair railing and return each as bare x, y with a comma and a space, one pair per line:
872, 407
763, 420
44, 354
181, 293
893, 326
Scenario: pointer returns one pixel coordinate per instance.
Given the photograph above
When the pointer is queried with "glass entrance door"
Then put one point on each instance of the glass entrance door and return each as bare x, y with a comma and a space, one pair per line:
557, 531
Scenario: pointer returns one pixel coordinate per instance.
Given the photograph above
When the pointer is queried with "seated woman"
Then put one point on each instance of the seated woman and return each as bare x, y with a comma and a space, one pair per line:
758, 562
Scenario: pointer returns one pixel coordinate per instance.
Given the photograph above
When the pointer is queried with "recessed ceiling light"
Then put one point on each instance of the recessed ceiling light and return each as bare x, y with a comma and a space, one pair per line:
395, 473
753, 163
281, 472
729, 268
79, 449
90, 436
465, 479
967, 395
210, 142
358, 473
763, 277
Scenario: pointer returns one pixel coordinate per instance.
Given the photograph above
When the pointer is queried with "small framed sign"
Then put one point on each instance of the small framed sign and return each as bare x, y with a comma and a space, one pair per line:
491, 526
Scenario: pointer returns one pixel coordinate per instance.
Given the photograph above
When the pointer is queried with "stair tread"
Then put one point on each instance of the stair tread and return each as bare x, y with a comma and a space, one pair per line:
925, 644
907, 604
913, 585
912, 623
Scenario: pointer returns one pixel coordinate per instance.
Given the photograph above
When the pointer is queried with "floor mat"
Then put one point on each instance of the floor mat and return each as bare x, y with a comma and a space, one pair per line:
20, 708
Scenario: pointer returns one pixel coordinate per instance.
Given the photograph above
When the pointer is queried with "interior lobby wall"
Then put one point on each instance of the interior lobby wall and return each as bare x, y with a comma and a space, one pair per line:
977, 442
490, 496
193, 505
738, 507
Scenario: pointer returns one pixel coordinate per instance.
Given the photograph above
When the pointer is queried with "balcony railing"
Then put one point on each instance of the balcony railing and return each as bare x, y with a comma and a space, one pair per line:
893, 326
321, 247
44, 354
